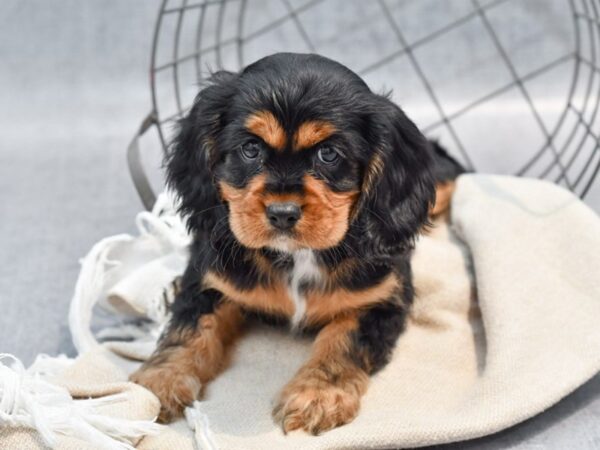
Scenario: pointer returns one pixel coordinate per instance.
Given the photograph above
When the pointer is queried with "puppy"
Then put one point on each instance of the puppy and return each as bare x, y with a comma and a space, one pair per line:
304, 191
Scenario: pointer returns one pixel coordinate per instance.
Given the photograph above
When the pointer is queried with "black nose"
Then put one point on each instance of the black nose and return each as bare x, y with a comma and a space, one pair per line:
283, 216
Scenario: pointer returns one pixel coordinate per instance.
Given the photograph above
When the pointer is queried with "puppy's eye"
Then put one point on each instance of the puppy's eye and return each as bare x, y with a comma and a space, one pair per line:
251, 150
328, 155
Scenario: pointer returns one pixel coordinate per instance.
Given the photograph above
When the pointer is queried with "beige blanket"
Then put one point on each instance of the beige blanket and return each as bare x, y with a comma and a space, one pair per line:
472, 361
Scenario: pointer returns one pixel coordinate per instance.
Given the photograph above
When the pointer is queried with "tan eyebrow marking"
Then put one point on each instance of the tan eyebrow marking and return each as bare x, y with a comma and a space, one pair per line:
311, 133
264, 125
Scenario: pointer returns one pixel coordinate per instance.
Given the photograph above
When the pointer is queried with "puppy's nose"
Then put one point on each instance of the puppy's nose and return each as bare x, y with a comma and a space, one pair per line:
283, 216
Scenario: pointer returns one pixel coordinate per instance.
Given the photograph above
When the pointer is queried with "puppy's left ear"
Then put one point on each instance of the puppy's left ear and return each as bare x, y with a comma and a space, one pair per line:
398, 186
195, 151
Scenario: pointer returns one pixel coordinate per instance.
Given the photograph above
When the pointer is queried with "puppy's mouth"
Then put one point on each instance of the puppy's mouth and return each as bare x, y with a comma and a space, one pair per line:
317, 219
266, 235
284, 242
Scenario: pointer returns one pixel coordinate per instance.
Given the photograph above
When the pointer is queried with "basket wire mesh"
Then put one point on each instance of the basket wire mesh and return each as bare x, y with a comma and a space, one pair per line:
489, 55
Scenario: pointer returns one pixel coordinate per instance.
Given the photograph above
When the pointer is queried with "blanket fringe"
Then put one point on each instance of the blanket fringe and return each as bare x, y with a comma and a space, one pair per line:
164, 228
28, 400
88, 290
198, 421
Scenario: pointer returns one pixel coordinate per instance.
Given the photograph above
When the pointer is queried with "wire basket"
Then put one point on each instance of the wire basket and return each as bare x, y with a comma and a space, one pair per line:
509, 86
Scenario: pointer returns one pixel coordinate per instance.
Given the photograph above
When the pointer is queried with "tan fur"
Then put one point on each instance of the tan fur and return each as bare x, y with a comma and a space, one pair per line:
322, 306
443, 197
247, 217
372, 174
325, 214
324, 221
266, 126
273, 299
263, 267
326, 391
311, 133
342, 271
185, 361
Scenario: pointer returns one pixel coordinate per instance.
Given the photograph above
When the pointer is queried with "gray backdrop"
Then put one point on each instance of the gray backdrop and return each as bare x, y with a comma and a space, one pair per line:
73, 88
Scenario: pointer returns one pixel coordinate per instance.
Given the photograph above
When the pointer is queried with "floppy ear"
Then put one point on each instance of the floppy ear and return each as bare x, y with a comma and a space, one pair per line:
193, 153
398, 186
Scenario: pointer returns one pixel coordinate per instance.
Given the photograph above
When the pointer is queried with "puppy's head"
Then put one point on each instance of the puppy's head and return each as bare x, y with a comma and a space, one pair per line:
296, 152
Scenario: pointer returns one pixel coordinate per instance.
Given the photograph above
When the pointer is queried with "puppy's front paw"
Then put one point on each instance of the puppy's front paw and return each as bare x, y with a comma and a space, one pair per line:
315, 404
175, 390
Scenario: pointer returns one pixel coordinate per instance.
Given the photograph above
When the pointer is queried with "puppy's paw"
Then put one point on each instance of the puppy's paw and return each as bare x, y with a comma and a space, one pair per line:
316, 405
175, 390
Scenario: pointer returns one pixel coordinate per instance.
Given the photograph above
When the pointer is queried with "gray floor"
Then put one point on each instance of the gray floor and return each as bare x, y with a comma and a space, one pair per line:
73, 88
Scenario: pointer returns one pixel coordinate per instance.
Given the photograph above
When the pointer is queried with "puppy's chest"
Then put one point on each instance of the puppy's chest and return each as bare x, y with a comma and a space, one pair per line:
304, 274
299, 288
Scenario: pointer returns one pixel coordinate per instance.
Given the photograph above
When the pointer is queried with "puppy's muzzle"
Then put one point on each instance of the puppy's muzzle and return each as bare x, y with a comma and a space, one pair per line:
283, 216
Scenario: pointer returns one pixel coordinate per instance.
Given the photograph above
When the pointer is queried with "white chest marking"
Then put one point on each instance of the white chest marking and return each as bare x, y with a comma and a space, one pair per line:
305, 270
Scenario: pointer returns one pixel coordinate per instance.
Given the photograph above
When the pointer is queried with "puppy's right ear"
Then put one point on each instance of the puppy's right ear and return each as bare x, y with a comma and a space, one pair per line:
193, 153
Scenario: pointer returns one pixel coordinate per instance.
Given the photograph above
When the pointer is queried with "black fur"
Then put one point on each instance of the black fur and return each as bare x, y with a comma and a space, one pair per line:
193, 156
397, 206
445, 167
380, 326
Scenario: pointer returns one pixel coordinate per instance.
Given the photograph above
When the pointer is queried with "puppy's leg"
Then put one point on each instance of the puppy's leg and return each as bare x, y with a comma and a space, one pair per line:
326, 391
189, 355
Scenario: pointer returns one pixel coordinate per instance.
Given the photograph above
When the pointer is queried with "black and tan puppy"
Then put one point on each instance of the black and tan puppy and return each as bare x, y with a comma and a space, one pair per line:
304, 191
